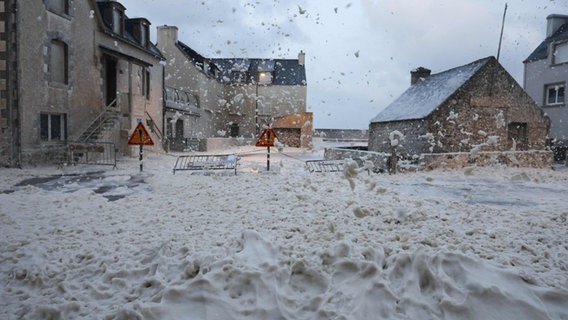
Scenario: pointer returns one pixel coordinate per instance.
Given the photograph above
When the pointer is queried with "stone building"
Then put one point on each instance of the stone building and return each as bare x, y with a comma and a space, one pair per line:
66, 65
473, 109
546, 76
236, 97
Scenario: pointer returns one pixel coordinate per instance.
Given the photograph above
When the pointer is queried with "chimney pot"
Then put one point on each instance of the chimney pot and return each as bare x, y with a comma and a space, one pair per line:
419, 73
301, 58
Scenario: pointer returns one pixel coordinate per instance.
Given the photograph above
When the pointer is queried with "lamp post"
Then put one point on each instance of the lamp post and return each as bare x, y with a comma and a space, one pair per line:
260, 75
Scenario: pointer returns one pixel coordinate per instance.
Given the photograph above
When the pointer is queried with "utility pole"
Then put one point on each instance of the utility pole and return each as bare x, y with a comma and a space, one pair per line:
501, 36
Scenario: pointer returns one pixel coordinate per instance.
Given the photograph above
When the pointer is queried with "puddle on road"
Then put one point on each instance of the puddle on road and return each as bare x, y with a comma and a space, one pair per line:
112, 187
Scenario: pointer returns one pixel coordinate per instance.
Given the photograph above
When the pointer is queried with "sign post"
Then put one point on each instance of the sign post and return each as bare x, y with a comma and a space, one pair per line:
267, 140
140, 137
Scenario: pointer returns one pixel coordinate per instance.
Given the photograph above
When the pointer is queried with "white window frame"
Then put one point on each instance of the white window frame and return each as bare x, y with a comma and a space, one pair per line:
558, 99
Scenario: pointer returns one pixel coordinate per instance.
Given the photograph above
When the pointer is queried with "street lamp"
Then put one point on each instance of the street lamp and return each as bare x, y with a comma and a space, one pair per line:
258, 77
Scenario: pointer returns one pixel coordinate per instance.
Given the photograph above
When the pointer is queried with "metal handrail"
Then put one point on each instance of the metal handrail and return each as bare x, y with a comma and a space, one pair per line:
154, 127
99, 120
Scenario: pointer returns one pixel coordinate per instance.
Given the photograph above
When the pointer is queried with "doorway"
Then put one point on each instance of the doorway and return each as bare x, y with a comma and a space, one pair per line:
518, 133
110, 66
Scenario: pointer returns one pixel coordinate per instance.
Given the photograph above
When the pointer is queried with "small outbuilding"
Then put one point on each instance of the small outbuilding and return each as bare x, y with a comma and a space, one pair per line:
476, 113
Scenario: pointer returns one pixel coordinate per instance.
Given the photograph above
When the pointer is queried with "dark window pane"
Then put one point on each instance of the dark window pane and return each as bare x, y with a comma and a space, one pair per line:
551, 95
44, 127
56, 127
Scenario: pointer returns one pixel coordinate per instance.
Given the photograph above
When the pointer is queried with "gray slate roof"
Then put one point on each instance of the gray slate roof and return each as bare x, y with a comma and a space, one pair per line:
418, 101
284, 71
541, 52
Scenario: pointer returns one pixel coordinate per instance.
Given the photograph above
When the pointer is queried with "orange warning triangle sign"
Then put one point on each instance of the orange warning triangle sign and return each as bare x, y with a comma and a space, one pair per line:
266, 138
140, 136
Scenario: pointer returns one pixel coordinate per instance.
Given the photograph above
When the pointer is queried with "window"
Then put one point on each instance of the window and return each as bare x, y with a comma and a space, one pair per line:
555, 94
58, 6
518, 135
117, 21
144, 35
238, 77
146, 84
170, 94
53, 127
58, 62
560, 54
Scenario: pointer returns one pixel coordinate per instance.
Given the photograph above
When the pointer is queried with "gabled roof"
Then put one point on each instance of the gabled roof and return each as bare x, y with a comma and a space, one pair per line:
541, 52
284, 71
418, 101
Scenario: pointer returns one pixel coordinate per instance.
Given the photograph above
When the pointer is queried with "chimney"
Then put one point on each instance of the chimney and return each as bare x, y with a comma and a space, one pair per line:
301, 58
419, 73
554, 22
167, 34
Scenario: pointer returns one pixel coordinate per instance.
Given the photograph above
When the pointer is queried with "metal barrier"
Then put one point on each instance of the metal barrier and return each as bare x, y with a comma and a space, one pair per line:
325, 165
207, 162
95, 153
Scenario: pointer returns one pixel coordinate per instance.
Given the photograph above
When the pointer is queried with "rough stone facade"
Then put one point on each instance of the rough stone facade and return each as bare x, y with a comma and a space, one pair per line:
68, 65
530, 159
219, 106
9, 130
489, 112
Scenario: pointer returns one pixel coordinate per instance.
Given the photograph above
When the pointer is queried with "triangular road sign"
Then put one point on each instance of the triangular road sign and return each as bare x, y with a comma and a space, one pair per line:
140, 136
266, 138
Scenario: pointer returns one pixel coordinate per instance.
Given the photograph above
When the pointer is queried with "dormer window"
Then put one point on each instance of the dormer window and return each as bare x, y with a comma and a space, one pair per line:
117, 21
139, 28
113, 16
560, 54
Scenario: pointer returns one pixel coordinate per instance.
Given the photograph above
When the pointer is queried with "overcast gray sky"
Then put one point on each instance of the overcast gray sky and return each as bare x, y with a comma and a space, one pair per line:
359, 53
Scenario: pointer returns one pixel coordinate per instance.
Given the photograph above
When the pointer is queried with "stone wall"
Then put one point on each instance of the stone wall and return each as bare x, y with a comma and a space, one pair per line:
412, 145
530, 159
342, 134
378, 159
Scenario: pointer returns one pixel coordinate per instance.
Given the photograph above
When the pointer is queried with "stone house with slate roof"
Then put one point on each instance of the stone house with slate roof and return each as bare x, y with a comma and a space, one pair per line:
66, 63
475, 113
546, 78
235, 97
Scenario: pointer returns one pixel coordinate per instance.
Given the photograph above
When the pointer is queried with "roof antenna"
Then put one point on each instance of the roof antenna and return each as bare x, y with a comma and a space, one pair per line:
502, 27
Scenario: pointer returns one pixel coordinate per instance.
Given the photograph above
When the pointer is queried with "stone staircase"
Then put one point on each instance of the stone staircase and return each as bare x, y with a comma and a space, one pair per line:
104, 122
